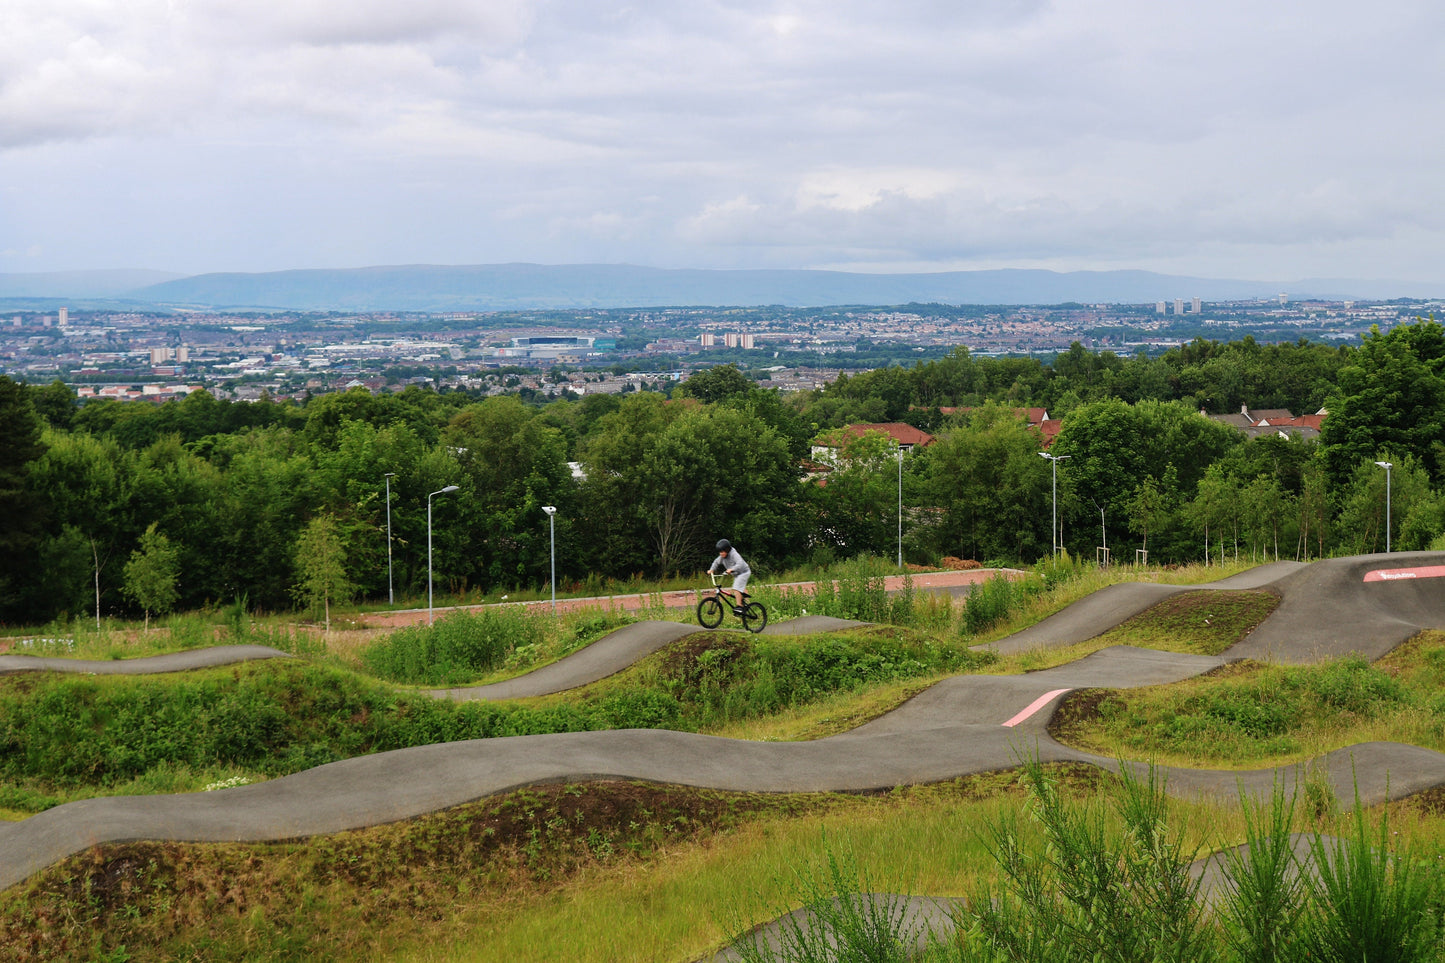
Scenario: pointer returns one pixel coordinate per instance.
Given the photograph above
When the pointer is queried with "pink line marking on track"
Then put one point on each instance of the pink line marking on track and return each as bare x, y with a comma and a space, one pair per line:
1035, 706
1391, 574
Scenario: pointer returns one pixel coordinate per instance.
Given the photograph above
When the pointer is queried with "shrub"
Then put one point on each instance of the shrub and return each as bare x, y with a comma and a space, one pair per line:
1367, 903
990, 602
1126, 895
456, 649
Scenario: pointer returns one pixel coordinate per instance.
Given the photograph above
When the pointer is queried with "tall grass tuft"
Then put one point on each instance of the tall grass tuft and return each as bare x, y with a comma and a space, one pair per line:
456, 648
1266, 894
857, 590
1125, 896
995, 600
1368, 904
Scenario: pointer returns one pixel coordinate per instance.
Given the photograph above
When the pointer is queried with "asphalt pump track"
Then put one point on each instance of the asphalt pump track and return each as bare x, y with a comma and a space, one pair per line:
1363, 605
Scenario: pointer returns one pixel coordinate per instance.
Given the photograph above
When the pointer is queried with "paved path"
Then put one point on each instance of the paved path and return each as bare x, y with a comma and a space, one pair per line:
963, 725
172, 662
1327, 609
1098, 613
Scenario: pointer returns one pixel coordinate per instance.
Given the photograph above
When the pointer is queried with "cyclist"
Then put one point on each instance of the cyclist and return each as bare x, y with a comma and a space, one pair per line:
728, 560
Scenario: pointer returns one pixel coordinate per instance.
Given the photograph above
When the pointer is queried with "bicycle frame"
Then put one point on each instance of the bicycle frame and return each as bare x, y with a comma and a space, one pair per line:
712, 606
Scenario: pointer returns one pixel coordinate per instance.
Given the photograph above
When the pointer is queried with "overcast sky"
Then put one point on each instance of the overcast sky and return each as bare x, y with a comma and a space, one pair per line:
1268, 140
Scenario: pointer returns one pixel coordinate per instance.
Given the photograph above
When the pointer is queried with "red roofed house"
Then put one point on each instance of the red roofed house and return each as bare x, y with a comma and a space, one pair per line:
906, 437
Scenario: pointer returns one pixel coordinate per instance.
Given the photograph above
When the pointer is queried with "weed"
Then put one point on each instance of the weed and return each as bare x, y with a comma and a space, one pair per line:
1087, 891
1266, 896
1370, 904
995, 600
457, 648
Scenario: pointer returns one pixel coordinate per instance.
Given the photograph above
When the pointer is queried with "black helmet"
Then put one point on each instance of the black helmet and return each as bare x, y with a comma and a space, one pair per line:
724, 545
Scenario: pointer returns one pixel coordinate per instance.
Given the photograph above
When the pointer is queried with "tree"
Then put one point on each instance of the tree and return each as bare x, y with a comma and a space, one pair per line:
720, 468
994, 489
611, 493
1314, 510
512, 463
1363, 510
716, 384
267, 491
152, 573
1390, 396
55, 403
1149, 508
85, 484
857, 505
20, 448
321, 565
1114, 445
1215, 507
1266, 505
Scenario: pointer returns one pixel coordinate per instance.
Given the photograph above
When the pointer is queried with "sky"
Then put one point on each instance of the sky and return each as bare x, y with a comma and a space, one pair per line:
1218, 138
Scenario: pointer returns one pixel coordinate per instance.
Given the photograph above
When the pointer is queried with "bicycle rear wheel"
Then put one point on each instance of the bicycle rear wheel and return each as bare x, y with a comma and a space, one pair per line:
755, 617
710, 612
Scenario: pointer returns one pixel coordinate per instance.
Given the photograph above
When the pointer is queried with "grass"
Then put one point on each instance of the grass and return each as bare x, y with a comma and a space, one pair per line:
1250, 714
1201, 623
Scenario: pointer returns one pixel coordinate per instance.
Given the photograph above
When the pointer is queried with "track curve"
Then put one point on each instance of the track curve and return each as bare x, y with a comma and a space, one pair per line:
615, 651
1327, 608
206, 658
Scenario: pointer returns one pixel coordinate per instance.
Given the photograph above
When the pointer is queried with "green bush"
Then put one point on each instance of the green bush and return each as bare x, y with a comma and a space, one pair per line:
995, 600
455, 649
1354, 685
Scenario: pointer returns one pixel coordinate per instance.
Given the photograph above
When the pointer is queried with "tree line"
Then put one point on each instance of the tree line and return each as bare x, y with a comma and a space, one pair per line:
98, 502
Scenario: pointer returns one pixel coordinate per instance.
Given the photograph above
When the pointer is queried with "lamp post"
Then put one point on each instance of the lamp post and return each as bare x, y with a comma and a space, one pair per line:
551, 511
390, 594
900, 508
1387, 466
444, 491
1054, 524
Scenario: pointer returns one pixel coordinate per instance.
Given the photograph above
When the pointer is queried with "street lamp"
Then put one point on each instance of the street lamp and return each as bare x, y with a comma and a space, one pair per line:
444, 491
1387, 466
900, 508
1054, 524
551, 511
390, 594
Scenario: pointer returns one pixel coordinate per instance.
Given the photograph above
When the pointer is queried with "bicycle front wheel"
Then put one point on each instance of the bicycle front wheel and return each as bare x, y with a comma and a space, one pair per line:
755, 617
710, 612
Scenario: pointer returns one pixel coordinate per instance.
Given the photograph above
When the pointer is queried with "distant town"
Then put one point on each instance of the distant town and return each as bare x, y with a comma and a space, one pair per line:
157, 355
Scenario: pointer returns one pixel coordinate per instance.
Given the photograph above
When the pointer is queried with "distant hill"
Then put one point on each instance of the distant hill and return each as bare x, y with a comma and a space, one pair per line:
484, 287
523, 286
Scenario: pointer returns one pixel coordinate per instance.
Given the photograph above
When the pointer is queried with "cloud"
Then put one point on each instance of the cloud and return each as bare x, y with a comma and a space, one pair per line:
737, 132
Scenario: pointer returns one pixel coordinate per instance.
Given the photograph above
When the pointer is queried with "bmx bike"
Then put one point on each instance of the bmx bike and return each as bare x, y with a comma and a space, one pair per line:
711, 608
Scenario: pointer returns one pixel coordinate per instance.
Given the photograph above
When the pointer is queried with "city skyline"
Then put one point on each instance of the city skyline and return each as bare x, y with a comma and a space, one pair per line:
1298, 140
